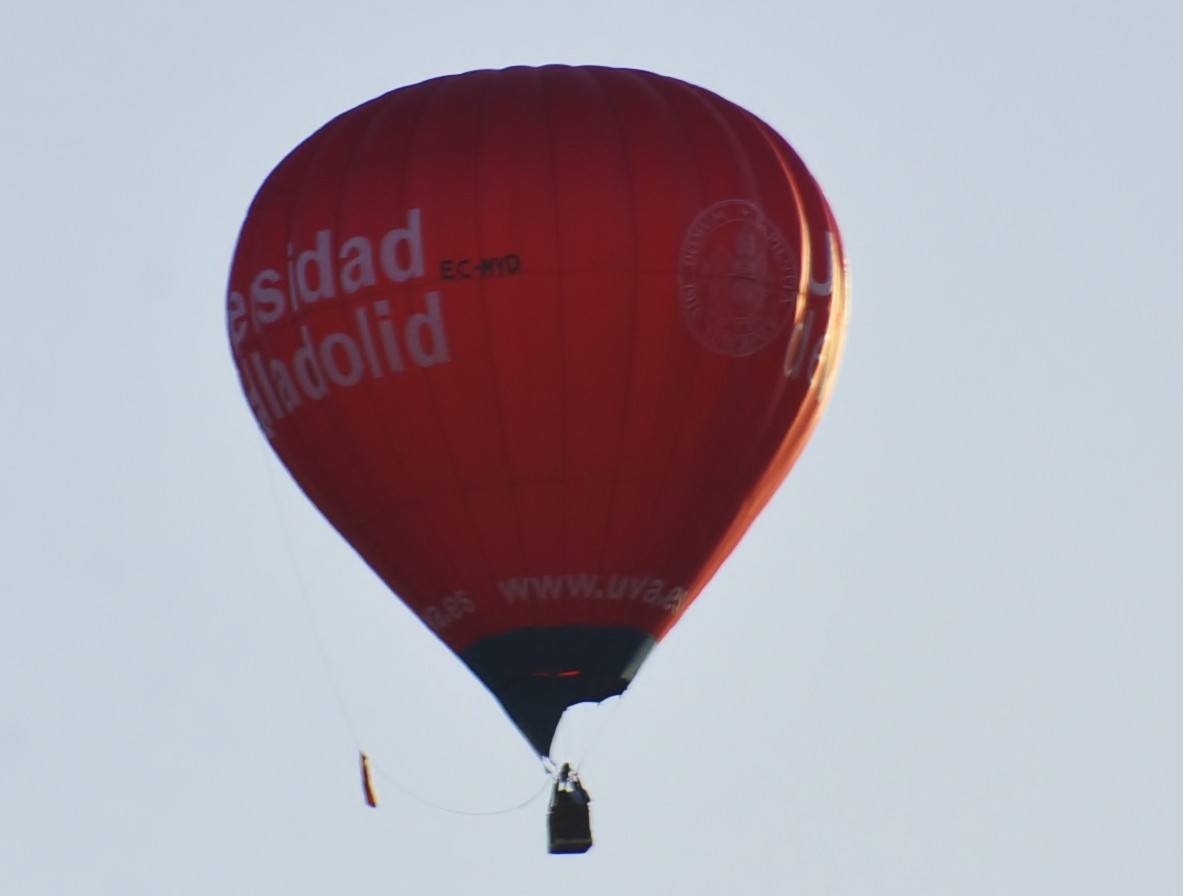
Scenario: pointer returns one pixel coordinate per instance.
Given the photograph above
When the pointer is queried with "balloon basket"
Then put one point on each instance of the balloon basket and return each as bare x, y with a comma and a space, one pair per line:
569, 817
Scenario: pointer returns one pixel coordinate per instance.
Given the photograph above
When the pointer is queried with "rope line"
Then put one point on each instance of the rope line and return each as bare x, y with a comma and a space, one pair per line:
370, 768
306, 603
454, 810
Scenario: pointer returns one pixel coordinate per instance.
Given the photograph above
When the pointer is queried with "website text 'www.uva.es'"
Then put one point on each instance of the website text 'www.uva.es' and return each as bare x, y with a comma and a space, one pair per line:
648, 590
644, 589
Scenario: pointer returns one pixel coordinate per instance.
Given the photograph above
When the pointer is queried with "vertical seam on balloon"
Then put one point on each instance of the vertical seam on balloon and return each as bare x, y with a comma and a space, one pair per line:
793, 169
494, 373
749, 174
379, 110
813, 401
748, 507
415, 499
548, 74
257, 262
710, 103
512, 483
678, 138
800, 424
599, 607
797, 438
309, 462
458, 493
293, 320
722, 546
663, 88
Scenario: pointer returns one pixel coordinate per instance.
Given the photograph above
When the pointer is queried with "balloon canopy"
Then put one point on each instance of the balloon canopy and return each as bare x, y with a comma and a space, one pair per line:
540, 343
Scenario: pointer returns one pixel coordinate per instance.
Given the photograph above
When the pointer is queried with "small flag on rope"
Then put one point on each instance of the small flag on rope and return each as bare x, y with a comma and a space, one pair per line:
367, 782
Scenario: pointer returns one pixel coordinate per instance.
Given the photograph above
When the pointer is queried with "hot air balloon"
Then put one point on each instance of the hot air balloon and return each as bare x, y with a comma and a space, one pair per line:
540, 343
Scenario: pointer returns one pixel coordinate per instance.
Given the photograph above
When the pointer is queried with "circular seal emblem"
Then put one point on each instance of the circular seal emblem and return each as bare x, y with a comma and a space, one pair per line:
737, 278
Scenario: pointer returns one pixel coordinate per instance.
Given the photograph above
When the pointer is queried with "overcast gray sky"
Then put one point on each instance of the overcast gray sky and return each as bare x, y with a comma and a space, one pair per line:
945, 660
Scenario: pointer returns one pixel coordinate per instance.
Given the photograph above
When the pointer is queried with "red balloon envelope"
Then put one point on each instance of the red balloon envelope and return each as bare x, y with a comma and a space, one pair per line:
540, 343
